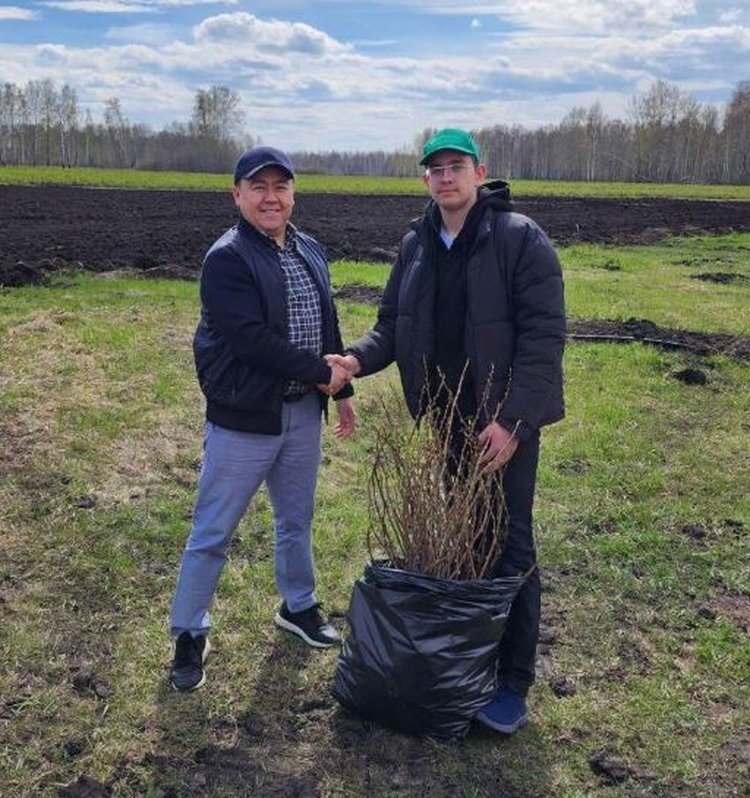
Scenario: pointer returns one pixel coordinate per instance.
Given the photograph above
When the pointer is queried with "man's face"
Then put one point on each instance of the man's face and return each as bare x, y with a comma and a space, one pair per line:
266, 200
452, 178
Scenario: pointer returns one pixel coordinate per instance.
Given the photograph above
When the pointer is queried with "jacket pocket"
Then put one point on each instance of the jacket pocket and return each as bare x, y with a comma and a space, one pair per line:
214, 364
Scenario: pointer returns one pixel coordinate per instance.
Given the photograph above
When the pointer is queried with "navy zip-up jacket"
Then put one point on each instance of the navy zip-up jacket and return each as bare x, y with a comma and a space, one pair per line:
241, 346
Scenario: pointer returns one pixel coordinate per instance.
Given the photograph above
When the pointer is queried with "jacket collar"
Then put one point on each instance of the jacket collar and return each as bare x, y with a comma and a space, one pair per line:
247, 229
495, 194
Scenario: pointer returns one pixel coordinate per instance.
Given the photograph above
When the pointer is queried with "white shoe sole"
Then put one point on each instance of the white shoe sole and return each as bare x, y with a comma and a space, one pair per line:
295, 630
502, 728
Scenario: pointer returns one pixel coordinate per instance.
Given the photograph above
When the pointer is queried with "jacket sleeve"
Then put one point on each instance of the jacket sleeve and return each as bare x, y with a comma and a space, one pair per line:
540, 327
348, 390
377, 349
233, 305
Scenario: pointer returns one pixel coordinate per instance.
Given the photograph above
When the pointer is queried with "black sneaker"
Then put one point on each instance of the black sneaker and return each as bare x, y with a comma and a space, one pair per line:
309, 624
187, 667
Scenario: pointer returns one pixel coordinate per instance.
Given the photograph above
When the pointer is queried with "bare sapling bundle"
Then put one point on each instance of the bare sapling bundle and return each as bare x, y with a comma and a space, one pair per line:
433, 509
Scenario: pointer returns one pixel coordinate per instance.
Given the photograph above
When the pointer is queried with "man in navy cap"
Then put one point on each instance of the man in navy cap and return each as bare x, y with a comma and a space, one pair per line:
267, 320
474, 309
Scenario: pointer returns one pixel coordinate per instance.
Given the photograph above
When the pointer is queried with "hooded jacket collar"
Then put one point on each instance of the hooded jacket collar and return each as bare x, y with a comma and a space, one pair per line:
494, 194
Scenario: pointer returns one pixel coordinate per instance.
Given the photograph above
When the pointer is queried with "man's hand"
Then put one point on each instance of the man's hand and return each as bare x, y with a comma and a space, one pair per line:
349, 362
340, 376
499, 446
347, 418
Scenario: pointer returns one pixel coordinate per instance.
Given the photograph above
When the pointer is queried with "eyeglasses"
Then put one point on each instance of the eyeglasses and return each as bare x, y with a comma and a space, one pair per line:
449, 170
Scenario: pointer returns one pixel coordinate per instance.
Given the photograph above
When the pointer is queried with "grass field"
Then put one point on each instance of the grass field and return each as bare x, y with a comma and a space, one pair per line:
133, 178
642, 524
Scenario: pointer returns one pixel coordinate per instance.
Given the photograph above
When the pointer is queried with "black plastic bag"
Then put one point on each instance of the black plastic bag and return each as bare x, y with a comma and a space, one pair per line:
421, 652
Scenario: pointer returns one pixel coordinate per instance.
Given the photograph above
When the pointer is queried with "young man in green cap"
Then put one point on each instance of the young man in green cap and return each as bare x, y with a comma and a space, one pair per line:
475, 301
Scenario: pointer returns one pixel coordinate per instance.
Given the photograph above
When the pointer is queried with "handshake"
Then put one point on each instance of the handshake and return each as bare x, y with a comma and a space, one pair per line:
343, 368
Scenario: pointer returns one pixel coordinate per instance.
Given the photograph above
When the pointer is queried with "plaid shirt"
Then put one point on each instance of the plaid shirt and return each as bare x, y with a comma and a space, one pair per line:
303, 306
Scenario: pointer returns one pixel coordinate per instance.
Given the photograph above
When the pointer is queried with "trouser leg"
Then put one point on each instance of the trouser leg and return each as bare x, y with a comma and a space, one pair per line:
234, 465
291, 486
517, 658
509, 518
488, 518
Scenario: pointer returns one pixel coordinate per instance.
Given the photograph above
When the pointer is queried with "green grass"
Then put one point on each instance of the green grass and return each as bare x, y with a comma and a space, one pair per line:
658, 283
101, 424
355, 184
137, 179
347, 272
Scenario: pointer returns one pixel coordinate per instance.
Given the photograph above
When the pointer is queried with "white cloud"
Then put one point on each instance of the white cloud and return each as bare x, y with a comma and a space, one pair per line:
128, 6
475, 23
100, 6
14, 12
730, 15
274, 35
172, 3
145, 33
373, 42
579, 16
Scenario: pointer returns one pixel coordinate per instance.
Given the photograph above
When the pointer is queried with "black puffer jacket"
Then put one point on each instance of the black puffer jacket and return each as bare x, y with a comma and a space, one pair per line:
241, 347
515, 316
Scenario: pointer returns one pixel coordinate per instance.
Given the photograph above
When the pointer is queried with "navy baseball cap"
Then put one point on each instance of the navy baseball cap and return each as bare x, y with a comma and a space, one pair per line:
259, 158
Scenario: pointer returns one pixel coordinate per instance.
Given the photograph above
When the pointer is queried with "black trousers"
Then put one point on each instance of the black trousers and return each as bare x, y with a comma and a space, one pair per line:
517, 659
517, 655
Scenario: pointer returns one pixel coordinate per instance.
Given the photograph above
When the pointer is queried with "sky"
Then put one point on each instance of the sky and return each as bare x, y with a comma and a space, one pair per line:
323, 75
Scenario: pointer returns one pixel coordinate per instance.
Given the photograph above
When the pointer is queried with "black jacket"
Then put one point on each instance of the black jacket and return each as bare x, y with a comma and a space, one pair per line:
241, 347
514, 331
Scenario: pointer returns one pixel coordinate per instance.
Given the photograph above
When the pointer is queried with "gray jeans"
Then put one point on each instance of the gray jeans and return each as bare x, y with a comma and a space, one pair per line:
234, 466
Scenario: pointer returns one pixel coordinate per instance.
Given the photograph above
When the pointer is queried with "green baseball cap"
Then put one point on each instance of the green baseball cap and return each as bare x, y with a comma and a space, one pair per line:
450, 138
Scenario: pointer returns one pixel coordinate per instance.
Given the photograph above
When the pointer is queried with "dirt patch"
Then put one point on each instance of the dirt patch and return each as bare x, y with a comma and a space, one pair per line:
722, 278
18, 443
735, 608
691, 376
44, 227
613, 770
85, 787
697, 343
365, 294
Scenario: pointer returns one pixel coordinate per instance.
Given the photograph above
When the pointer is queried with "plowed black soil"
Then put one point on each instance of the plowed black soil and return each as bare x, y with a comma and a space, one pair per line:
166, 233
45, 228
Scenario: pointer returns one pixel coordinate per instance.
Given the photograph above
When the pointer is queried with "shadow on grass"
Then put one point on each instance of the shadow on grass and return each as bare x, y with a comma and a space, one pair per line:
290, 739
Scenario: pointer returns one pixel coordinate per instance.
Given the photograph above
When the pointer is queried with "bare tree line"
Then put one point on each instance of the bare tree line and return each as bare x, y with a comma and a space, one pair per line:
42, 125
668, 137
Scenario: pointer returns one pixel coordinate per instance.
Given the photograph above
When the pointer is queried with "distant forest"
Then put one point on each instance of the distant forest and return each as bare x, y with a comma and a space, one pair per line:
668, 137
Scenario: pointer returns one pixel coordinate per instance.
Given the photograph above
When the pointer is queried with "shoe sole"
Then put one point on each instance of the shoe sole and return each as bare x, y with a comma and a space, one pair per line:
206, 650
500, 727
295, 630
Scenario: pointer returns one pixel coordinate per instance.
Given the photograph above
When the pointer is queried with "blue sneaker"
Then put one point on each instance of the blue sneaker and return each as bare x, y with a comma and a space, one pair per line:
506, 712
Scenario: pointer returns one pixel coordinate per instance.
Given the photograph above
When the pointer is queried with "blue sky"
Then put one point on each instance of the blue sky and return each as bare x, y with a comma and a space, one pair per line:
335, 74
